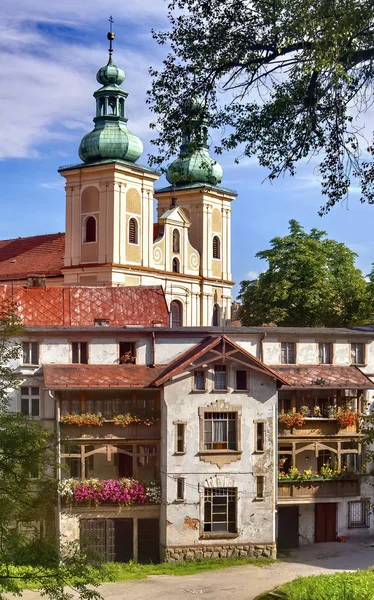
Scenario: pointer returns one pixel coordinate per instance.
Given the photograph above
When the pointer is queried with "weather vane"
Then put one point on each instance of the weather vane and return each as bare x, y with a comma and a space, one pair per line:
111, 36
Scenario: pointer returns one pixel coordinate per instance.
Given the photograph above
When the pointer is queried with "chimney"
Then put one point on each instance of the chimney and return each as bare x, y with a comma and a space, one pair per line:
35, 281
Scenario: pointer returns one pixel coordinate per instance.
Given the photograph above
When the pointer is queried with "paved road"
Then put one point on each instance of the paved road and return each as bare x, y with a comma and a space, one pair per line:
246, 582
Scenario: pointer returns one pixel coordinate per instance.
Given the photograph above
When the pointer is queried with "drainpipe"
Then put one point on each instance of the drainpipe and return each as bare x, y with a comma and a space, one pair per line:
263, 336
153, 349
58, 431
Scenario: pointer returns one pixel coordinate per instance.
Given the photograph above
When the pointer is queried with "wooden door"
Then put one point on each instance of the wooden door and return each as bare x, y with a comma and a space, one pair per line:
148, 540
123, 540
325, 522
97, 538
288, 527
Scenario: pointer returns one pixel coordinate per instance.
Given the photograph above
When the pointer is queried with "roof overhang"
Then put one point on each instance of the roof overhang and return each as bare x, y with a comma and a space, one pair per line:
323, 377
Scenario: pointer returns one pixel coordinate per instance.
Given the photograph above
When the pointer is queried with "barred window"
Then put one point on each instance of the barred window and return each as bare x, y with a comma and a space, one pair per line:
133, 231
220, 431
288, 353
220, 509
359, 514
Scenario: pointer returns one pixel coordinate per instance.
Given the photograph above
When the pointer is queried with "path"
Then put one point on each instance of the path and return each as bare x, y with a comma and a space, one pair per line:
245, 582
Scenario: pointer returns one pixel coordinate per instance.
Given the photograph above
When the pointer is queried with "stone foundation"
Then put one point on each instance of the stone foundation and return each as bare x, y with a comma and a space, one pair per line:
179, 553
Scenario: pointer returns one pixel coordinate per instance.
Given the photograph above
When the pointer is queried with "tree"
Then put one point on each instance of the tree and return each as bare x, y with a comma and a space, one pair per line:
282, 79
310, 282
28, 494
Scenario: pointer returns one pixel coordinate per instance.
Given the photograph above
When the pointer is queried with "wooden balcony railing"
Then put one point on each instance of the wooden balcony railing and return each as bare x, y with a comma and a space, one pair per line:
109, 430
327, 488
317, 426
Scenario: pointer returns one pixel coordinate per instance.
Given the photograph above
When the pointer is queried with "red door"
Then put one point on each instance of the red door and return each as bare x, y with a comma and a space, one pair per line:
325, 524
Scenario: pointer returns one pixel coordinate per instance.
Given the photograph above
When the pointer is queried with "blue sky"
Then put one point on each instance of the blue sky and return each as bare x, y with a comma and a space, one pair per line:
50, 53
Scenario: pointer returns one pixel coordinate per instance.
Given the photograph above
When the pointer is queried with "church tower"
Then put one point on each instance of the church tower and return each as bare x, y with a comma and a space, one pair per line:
111, 238
194, 177
109, 198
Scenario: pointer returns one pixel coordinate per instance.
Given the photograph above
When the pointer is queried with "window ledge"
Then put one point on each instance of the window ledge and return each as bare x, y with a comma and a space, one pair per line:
221, 535
180, 453
240, 391
259, 452
226, 391
228, 452
198, 391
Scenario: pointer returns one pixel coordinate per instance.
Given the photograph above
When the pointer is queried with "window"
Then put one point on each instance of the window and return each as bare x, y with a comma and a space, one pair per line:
359, 514
176, 241
324, 353
199, 380
349, 461
90, 230
220, 510
220, 431
133, 231
260, 487
30, 401
30, 353
241, 380
216, 315
176, 310
127, 353
180, 488
357, 354
175, 266
180, 436
287, 353
216, 247
79, 351
260, 434
220, 377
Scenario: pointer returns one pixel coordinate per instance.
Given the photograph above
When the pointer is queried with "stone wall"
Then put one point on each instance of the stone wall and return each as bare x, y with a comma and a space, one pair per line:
179, 553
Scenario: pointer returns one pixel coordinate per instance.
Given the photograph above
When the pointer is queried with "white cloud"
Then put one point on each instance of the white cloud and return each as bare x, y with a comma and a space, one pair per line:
252, 275
53, 185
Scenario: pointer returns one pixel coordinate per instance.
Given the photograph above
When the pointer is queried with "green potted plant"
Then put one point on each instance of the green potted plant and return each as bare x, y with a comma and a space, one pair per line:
317, 411
304, 410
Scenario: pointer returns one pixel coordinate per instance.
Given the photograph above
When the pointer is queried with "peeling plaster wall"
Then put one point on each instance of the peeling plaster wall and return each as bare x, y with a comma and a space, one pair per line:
184, 520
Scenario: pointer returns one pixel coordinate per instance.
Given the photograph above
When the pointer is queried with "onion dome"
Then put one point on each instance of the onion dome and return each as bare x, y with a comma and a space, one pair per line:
110, 139
194, 163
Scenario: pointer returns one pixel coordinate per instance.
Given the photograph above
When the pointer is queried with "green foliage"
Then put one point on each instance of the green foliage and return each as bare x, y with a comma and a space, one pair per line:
341, 586
282, 80
310, 282
29, 550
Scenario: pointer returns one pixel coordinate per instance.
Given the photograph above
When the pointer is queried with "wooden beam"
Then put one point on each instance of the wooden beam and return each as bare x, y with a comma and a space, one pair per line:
83, 461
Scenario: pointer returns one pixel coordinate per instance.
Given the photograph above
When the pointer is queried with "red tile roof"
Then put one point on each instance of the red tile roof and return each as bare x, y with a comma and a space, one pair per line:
36, 255
80, 306
220, 347
323, 376
59, 377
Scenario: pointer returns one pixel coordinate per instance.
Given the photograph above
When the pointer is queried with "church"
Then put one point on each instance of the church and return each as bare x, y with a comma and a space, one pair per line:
111, 238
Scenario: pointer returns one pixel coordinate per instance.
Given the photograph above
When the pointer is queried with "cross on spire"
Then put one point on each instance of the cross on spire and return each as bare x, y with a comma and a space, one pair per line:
111, 21
110, 37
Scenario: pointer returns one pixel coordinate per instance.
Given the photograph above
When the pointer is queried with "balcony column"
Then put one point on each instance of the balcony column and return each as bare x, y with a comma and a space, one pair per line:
294, 454
135, 539
83, 462
293, 401
339, 455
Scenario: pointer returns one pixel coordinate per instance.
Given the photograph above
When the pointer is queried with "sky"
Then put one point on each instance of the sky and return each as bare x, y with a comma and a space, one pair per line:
50, 53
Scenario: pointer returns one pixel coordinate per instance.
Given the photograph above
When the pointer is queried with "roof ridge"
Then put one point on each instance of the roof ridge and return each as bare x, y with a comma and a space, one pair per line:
29, 237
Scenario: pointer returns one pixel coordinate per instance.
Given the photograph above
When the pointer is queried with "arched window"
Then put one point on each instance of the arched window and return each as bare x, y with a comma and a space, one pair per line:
133, 231
176, 309
176, 267
90, 230
176, 241
216, 315
112, 104
216, 247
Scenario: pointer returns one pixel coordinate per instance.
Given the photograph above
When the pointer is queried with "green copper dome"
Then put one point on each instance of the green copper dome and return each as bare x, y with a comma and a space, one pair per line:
194, 164
110, 138
198, 167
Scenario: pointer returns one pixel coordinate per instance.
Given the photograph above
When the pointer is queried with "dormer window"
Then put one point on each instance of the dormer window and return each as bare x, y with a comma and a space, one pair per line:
176, 241
90, 230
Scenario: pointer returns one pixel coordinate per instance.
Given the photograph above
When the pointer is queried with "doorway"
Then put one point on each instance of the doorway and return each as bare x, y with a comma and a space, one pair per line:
110, 540
288, 527
325, 522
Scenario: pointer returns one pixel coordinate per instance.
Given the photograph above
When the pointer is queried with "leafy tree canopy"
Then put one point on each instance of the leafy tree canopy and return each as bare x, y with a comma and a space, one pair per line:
311, 281
30, 552
282, 80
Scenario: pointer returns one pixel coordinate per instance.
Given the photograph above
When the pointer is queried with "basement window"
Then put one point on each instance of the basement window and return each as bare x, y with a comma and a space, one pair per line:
220, 509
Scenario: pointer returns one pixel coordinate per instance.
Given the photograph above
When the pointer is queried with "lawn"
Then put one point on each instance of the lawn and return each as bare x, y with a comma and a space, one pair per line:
340, 586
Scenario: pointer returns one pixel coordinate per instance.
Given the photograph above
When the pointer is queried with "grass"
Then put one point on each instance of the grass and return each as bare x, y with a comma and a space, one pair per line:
340, 586
133, 570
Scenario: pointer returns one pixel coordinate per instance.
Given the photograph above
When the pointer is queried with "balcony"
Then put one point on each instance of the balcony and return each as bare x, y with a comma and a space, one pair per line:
109, 430
122, 492
317, 426
315, 489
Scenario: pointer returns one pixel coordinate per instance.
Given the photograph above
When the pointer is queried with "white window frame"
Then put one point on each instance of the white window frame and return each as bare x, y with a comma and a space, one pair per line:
353, 350
30, 353
30, 397
287, 361
79, 362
